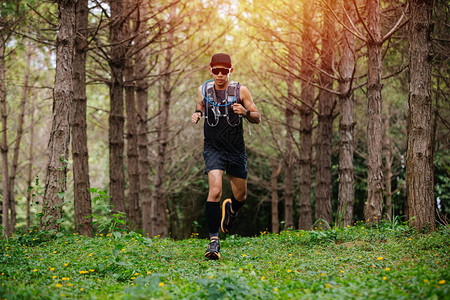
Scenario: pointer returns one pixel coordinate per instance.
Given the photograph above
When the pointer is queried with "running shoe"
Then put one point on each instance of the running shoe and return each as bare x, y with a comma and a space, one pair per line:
227, 216
213, 251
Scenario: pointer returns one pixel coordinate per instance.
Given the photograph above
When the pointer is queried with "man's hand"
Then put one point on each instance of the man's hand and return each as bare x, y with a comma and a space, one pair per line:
239, 109
196, 117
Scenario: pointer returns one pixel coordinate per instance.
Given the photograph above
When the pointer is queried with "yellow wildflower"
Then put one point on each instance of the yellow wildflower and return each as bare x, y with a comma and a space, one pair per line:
149, 272
441, 281
262, 278
58, 285
275, 289
35, 270
384, 278
380, 258
161, 284
387, 269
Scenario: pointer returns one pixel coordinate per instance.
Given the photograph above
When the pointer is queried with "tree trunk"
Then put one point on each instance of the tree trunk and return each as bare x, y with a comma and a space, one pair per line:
141, 61
132, 143
30, 162
289, 155
159, 199
116, 114
58, 145
276, 170
15, 161
4, 142
346, 196
324, 134
374, 205
82, 195
288, 188
307, 95
388, 162
419, 161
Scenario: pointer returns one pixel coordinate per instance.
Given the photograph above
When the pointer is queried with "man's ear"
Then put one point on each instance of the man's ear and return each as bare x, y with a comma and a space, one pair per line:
210, 71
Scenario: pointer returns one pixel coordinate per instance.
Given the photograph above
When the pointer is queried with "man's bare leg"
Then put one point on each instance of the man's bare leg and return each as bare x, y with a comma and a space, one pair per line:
239, 189
231, 205
212, 210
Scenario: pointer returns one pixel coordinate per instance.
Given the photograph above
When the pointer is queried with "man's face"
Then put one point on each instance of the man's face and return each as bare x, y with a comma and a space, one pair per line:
220, 73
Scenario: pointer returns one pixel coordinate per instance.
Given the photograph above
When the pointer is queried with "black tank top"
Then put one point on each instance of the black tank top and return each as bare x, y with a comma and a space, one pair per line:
224, 137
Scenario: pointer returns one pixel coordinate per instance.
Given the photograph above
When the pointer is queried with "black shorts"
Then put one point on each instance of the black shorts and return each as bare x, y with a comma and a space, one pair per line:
233, 164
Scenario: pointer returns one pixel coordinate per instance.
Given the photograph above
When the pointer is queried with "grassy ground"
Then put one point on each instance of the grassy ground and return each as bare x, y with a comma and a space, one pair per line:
352, 263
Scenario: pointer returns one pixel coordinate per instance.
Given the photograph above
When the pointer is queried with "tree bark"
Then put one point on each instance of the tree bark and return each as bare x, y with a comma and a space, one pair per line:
82, 195
289, 154
159, 199
62, 108
307, 95
276, 170
131, 123
116, 114
141, 61
374, 205
388, 162
419, 161
4, 142
346, 196
15, 161
324, 131
30, 163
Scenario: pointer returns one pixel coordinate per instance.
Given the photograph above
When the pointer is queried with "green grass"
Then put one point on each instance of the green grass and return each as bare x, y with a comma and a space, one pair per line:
350, 263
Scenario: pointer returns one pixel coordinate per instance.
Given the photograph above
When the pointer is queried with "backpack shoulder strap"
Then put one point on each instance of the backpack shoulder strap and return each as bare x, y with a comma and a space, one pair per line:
210, 92
232, 91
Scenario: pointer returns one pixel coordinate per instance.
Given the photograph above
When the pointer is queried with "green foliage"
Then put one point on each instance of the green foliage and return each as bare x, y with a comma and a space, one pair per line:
356, 262
106, 219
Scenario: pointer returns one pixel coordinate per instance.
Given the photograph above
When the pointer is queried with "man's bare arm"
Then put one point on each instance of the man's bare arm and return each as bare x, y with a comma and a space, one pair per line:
199, 111
246, 97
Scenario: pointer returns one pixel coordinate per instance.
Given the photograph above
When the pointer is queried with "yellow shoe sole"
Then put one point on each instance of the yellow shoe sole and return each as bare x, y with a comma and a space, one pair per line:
223, 214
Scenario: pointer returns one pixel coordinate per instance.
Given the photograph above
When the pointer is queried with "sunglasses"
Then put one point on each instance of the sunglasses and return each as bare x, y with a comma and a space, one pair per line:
217, 71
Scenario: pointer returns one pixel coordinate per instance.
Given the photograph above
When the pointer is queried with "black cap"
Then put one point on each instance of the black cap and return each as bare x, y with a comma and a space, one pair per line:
221, 58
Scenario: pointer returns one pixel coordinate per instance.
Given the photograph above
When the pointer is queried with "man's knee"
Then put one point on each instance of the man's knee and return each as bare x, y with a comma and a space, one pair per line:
241, 196
215, 193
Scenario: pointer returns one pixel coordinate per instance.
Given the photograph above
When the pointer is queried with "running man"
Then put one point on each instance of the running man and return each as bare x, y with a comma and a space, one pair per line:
224, 104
